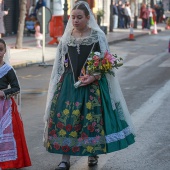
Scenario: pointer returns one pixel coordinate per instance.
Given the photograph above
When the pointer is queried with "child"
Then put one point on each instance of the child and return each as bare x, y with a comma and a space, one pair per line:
13, 147
38, 35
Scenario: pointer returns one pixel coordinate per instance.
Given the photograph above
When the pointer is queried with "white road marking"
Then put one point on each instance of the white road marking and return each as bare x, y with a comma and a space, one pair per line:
166, 63
140, 116
139, 60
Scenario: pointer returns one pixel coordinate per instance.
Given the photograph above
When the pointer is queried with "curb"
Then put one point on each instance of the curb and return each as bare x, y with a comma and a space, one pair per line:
138, 35
23, 64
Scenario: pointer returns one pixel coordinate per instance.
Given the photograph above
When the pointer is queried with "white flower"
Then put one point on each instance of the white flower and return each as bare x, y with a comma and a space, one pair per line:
89, 59
97, 53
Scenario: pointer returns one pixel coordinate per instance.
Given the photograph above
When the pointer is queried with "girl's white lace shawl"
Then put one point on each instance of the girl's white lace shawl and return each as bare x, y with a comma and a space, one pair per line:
58, 69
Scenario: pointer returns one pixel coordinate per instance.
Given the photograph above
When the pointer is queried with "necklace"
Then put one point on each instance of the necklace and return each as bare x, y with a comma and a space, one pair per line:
81, 32
80, 40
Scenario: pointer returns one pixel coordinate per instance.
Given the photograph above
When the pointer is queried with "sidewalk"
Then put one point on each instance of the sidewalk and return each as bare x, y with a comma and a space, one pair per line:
32, 55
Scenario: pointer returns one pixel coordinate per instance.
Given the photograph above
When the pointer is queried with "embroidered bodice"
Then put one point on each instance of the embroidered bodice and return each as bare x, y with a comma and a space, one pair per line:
8, 77
77, 60
93, 38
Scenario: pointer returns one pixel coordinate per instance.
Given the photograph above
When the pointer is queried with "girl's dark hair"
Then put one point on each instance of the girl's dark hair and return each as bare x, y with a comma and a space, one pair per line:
3, 42
83, 8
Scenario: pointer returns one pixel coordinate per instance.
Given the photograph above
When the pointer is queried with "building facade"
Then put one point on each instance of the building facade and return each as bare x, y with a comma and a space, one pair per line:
57, 6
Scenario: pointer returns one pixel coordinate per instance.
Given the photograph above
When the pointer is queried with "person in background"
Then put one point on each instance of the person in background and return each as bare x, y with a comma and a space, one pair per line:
150, 20
162, 16
115, 15
38, 35
3, 12
144, 15
13, 147
158, 13
120, 15
127, 12
31, 10
86, 114
39, 4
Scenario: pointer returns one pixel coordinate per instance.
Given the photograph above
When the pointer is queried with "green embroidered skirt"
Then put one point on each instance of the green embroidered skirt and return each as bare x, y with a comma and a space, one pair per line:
82, 121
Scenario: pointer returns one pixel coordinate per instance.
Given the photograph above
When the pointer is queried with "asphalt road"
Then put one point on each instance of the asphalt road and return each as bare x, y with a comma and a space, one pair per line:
145, 82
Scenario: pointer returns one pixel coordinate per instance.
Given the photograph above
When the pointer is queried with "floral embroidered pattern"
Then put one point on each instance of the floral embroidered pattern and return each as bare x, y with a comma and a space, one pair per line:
76, 125
69, 129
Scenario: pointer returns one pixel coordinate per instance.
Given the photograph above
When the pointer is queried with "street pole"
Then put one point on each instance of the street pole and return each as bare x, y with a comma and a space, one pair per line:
111, 16
65, 14
42, 18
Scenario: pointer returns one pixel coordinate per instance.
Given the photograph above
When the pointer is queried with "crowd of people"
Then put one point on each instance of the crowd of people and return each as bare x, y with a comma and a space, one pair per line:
121, 15
150, 16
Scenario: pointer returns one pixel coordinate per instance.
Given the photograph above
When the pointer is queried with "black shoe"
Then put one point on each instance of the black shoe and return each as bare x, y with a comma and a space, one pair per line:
67, 166
92, 160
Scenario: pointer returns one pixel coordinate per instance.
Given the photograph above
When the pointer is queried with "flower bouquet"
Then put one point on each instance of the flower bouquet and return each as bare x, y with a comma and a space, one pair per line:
98, 64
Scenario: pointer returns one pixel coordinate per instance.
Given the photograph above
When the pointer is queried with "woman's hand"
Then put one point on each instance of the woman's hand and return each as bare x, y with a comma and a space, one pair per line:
88, 79
2, 94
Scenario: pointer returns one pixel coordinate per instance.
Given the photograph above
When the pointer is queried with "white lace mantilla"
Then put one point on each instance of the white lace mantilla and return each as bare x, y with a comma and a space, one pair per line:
93, 38
4, 70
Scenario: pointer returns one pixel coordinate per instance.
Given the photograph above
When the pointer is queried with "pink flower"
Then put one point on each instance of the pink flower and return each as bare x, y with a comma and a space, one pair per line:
58, 114
80, 139
103, 61
77, 104
94, 124
91, 97
109, 57
93, 141
96, 63
95, 57
97, 138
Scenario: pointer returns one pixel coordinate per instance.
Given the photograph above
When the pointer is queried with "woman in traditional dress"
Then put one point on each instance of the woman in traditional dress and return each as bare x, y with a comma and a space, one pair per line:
13, 147
3, 11
92, 118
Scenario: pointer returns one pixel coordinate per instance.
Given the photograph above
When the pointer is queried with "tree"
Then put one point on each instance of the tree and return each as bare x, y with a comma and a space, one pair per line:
21, 24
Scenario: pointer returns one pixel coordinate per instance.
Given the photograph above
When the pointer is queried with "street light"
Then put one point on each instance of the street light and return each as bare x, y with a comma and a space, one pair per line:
65, 14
